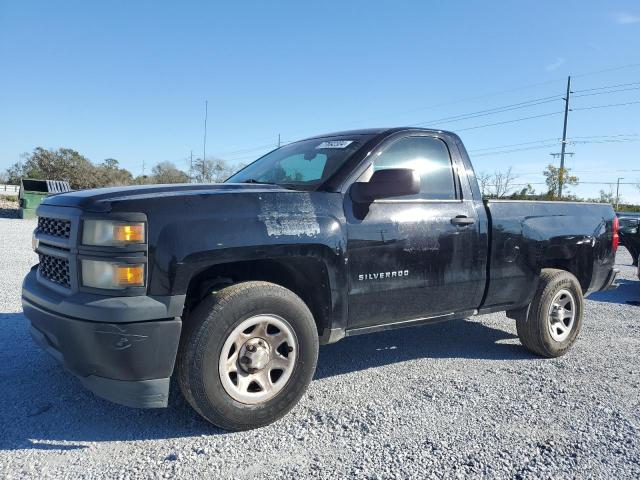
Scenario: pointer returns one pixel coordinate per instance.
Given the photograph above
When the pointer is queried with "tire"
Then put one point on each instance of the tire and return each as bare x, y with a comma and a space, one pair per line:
256, 394
539, 327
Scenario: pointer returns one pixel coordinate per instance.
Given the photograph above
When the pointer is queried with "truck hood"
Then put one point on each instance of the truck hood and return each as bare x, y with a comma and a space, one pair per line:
100, 199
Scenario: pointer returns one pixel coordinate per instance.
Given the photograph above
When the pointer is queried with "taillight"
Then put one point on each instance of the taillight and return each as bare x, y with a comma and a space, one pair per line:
616, 237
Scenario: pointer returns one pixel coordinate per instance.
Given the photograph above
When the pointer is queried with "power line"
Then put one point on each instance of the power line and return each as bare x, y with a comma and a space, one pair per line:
248, 150
607, 86
495, 110
607, 106
608, 136
546, 115
579, 183
539, 147
607, 92
584, 171
510, 121
514, 145
570, 140
502, 92
515, 150
491, 111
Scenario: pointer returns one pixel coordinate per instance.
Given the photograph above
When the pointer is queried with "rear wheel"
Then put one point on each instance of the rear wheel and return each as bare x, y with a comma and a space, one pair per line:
247, 355
552, 322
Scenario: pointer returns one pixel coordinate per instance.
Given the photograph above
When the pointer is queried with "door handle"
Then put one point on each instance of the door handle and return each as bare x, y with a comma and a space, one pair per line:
462, 220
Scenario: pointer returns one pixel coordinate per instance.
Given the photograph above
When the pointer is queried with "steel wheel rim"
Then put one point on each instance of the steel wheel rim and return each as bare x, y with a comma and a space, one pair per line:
271, 362
562, 315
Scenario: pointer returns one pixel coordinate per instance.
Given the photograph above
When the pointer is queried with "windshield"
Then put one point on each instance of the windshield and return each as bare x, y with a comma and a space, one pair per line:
303, 165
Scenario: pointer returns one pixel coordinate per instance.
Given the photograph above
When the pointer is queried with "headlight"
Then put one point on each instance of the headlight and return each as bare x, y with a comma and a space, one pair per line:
110, 275
112, 233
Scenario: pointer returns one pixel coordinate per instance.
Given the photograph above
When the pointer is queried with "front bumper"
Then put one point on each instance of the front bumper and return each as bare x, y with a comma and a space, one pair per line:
96, 338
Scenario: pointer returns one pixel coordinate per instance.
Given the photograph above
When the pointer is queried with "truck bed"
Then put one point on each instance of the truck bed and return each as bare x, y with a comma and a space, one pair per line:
526, 236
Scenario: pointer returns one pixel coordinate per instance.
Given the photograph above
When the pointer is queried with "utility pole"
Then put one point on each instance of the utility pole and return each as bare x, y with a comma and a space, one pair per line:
204, 148
191, 167
618, 193
143, 167
564, 137
278, 140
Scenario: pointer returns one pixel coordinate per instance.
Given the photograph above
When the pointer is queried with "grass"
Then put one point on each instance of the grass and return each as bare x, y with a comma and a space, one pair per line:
9, 198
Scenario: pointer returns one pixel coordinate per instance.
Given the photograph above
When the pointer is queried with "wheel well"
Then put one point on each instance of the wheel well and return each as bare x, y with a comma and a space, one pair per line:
580, 266
307, 277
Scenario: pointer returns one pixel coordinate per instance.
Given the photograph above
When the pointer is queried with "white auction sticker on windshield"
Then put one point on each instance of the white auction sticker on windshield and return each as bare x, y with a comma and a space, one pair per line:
335, 144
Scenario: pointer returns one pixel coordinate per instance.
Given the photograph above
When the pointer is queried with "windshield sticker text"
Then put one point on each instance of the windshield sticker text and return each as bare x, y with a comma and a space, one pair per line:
335, 144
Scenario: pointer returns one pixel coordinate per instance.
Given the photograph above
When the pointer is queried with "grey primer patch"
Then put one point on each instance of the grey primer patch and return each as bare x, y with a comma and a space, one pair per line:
289, 214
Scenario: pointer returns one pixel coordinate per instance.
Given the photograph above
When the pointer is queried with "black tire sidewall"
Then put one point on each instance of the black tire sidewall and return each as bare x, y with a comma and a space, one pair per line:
212, 400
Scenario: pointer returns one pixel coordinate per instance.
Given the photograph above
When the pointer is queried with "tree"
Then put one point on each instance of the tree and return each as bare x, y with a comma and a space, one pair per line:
607, 197
112, 175
503, 183
14, 173
484, 181
67, 164
211, 170
62, 164
553, 176
167, 172
526, 193
496, 185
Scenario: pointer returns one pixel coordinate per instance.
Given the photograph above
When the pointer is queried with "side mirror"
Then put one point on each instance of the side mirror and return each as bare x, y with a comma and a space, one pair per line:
392, 182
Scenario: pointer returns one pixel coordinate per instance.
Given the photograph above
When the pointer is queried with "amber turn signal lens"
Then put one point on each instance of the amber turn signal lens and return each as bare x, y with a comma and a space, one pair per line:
133, 233
129, 275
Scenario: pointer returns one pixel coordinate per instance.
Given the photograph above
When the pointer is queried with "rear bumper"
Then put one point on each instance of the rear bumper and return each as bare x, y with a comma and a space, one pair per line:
126, 362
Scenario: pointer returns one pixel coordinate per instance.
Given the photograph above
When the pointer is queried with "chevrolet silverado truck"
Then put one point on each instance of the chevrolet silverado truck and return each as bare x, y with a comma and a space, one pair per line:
230, 288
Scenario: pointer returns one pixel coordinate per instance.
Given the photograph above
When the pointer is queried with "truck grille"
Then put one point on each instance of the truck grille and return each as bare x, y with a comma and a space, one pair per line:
56, 227
55, 270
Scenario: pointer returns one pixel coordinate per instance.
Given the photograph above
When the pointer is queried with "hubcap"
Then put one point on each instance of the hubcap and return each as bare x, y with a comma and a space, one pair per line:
258, 358
562, 315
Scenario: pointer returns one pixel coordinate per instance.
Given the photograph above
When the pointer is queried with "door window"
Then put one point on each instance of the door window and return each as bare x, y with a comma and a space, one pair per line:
429, 157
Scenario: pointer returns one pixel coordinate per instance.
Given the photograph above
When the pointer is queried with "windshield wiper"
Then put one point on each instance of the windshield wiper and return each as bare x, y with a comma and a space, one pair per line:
283, 185
253, 180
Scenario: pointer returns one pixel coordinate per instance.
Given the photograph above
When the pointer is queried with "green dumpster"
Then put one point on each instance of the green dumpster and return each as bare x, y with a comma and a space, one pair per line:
32, 192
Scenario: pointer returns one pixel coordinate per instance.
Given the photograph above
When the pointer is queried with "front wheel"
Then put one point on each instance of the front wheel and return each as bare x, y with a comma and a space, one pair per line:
248, 354
551, 323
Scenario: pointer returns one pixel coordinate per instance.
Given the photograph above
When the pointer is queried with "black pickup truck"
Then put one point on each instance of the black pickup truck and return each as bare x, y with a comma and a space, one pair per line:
232, 287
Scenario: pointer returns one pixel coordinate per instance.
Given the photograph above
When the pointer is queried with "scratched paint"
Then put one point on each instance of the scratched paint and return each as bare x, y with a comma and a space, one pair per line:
290, 215
419, 237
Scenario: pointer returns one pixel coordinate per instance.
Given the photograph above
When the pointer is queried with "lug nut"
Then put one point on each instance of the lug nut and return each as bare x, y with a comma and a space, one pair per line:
251, 348
245, 360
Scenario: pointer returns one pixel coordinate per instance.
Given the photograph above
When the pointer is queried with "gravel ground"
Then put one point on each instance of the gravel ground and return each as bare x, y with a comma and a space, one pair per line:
8, 208
460, 399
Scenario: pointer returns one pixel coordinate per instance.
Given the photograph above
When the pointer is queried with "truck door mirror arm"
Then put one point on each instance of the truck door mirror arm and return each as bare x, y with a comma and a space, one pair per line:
391, 182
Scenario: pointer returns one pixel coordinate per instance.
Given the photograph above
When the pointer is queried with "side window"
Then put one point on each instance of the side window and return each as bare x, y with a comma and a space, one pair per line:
429, 157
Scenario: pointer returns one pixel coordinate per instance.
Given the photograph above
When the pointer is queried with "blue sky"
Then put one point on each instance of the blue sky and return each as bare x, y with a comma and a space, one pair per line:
128, 80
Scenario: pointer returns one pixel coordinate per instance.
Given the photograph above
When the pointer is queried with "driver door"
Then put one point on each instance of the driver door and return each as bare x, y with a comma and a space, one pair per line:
407, 257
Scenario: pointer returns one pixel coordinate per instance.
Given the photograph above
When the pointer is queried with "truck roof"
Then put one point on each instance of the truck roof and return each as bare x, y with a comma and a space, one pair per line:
373, 131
